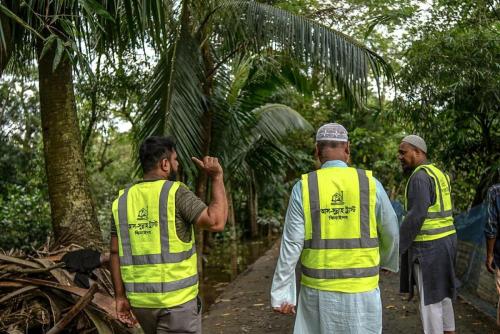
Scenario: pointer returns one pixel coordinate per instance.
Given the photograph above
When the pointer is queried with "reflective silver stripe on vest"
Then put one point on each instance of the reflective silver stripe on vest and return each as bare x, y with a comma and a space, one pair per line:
364, 241
165, 257
161, 287
340, 273
364, 215
341, 243
442, 214
312, 181
435, 231
123, 224
157, 258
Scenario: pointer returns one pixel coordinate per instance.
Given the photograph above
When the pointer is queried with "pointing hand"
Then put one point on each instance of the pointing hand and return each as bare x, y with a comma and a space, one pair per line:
209, 165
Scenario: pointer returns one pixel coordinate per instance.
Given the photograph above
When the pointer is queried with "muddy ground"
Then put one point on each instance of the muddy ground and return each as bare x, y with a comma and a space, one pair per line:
244, 307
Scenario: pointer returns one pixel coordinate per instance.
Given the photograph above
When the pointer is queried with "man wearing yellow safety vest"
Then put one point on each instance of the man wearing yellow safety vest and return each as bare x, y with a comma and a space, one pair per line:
428, 239
341, 225
153, 253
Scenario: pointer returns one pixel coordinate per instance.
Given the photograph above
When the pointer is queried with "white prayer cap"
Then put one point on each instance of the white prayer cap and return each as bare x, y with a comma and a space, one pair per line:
332, 132
416, 141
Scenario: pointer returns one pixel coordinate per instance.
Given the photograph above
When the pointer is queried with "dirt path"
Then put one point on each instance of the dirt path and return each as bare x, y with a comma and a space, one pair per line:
244, 307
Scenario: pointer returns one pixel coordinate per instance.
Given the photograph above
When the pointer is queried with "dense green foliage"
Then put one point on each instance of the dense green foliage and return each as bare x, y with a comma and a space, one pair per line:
25, 213
450, 93
445, 58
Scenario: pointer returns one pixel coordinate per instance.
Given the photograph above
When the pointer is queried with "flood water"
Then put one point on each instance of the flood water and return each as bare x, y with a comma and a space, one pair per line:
224, 262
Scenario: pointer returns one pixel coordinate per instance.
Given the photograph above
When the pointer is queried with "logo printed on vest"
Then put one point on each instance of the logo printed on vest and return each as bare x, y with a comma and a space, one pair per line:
143, 225
336, 213
143, 214
338, 198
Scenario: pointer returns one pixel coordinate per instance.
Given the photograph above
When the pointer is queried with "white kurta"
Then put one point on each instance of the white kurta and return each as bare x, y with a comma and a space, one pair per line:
329, 312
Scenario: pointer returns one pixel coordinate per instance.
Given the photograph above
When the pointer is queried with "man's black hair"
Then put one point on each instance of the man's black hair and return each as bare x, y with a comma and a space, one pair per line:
154, 149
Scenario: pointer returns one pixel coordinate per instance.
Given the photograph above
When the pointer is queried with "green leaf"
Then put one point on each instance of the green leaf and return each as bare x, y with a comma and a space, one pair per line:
93, 6
17, 19
175, 102
275, 121
58, 54
347, 62
48, 44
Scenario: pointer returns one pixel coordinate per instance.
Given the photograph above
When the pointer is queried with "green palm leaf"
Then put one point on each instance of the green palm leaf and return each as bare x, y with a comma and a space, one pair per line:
347, 62
262, 144
175, 102
275, 121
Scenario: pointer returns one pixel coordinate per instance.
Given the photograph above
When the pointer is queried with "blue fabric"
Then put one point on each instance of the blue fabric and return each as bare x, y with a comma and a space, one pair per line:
332, 311
493, 203
399, 210
470, 225
491, 228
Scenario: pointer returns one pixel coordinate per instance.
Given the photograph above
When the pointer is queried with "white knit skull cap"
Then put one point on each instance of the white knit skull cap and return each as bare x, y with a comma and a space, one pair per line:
332, 132
416, 141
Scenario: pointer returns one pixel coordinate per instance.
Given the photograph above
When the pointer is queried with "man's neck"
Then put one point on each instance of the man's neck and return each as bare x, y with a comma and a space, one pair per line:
423, 162
154, 176
326, 160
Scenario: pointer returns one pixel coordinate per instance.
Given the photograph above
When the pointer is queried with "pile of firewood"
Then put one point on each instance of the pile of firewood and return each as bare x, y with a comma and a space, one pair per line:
37, 295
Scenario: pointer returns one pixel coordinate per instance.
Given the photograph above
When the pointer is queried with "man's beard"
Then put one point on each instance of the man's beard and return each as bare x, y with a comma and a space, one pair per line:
407, 170
172, 176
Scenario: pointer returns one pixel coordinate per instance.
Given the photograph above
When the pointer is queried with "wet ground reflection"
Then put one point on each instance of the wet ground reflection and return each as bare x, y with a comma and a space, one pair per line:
225, 261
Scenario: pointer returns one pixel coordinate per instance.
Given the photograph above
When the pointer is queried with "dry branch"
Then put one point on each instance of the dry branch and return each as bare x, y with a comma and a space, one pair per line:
31, 270
82, 302
19, 261
37, 293
17, 292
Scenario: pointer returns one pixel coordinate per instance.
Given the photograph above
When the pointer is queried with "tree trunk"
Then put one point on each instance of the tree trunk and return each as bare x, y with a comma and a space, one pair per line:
233, 242
73, 212
201, 192
481, 189
253, 207
202, 181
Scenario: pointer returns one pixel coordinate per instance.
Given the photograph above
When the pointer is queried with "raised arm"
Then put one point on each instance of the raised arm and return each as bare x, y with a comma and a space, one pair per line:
214, 217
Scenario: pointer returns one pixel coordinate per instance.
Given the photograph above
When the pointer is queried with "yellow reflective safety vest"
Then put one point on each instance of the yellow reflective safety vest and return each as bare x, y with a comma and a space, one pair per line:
439, 221
341, 250
158, 269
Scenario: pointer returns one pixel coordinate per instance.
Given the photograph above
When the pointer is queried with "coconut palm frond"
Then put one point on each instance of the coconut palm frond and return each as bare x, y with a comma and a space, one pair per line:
347, 62
175, 101
275, 121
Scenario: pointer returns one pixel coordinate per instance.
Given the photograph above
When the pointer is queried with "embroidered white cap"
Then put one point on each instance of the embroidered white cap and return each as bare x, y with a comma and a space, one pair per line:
332, 132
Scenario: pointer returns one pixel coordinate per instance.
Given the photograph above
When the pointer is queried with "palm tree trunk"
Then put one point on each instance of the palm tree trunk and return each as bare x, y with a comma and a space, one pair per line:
73, 212
253, 207
201, 184
233, 242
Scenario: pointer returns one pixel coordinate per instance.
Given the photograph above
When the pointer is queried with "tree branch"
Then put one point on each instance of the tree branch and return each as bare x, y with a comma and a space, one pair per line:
32, 271
80, 305
223, 61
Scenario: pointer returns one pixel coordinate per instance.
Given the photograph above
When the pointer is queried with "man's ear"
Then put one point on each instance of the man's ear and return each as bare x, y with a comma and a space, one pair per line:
348, 148
165, 165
